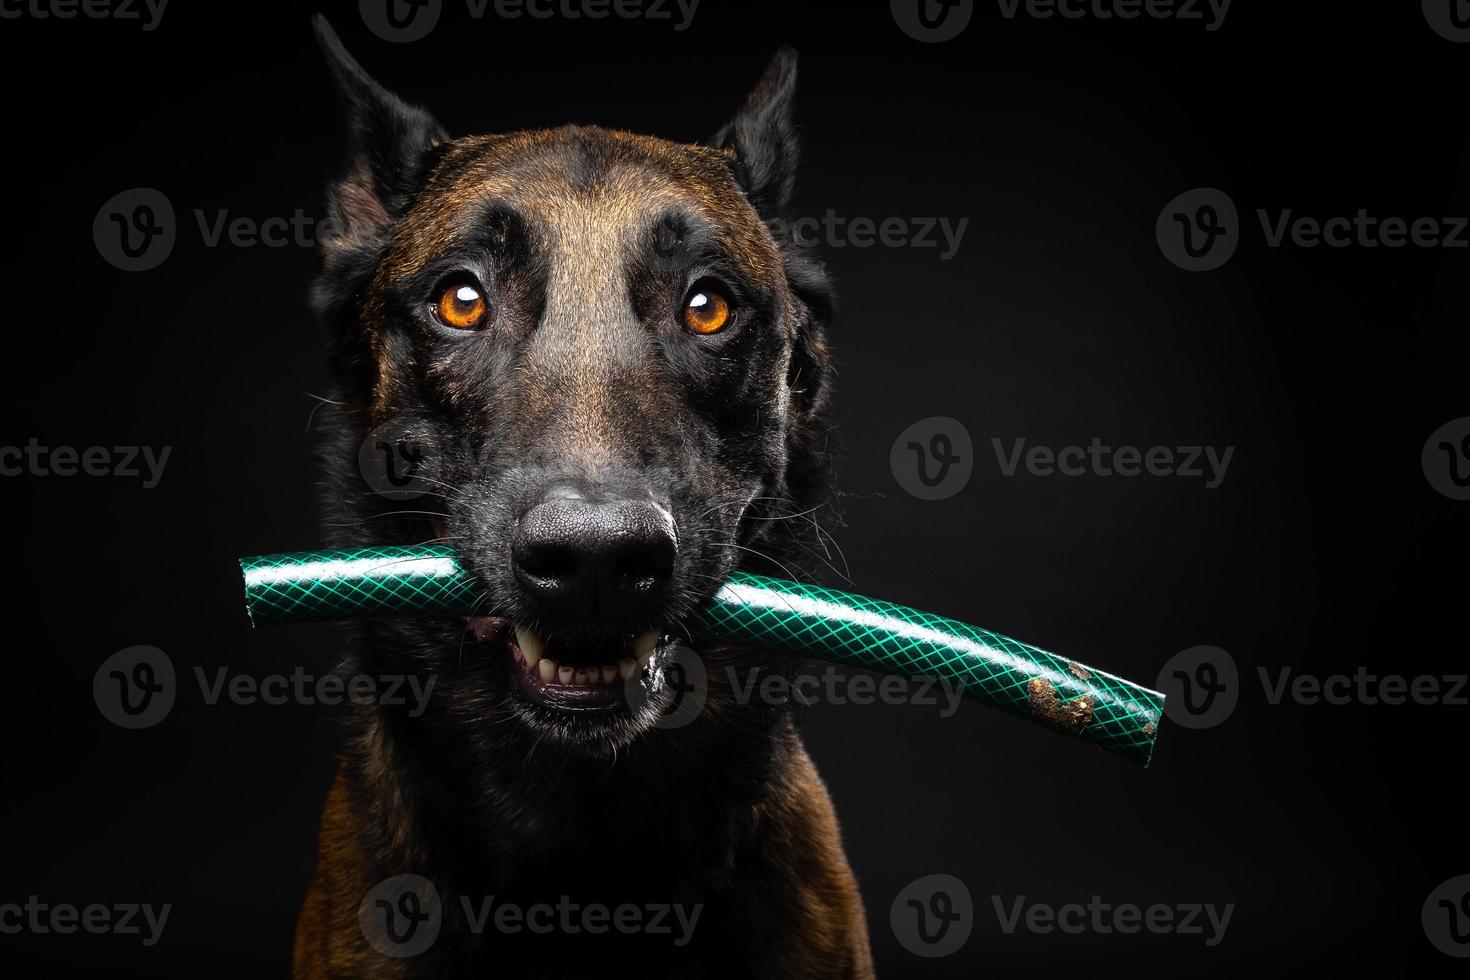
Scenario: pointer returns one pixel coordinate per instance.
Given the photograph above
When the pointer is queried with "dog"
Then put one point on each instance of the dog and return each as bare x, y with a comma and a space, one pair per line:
615, 373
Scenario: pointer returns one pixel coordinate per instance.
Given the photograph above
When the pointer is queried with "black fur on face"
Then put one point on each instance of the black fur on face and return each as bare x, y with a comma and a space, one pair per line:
582, 388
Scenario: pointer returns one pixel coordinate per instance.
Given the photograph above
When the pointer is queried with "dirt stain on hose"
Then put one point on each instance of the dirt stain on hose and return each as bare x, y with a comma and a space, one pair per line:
1065, 716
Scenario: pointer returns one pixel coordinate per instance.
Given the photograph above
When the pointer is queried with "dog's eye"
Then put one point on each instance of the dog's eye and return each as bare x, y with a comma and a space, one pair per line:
461, 306
707, 310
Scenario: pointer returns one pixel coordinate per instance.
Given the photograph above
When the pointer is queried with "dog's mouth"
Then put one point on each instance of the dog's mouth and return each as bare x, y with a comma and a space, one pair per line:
584, 675
586, 672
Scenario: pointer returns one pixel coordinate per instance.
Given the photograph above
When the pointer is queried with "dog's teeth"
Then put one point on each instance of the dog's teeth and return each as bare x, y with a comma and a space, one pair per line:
581, 676
564, 675
531, 646
643, 647
547, 667
609, 671
626, 667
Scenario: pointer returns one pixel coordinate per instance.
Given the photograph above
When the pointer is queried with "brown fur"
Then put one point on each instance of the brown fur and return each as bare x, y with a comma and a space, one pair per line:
812, 916
584, 375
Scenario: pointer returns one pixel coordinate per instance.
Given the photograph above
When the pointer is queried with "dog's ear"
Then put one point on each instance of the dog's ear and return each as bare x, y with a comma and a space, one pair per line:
763, 147
762, 138
386, 144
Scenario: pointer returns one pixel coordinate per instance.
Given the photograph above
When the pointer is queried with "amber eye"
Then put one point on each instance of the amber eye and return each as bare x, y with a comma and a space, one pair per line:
461, 306
707, 310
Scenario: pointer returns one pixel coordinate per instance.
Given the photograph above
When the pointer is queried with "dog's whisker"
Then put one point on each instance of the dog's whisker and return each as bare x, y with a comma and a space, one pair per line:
389, 513
757, 552
824, 560
433, 481
320, 401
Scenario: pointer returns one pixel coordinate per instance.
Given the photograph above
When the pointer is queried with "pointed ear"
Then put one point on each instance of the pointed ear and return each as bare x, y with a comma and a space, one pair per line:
762, 138
386, 143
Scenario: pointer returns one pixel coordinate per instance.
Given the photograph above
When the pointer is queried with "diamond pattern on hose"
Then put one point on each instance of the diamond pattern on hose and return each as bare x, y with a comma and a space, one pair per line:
365, 582
1116, 714
772, 613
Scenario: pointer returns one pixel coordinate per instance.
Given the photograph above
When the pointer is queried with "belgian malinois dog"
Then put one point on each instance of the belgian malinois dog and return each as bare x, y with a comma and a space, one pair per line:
616, 367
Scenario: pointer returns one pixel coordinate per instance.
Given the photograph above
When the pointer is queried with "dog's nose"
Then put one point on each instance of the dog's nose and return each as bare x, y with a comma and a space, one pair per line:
607, 561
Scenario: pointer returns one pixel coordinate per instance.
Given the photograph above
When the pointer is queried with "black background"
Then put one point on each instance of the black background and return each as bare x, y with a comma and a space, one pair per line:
1059, 320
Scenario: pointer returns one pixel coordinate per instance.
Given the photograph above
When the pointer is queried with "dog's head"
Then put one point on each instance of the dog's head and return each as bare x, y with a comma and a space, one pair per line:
612, 369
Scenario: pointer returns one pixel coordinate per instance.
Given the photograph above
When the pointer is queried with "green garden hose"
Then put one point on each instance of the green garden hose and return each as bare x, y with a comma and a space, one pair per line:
769, 613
